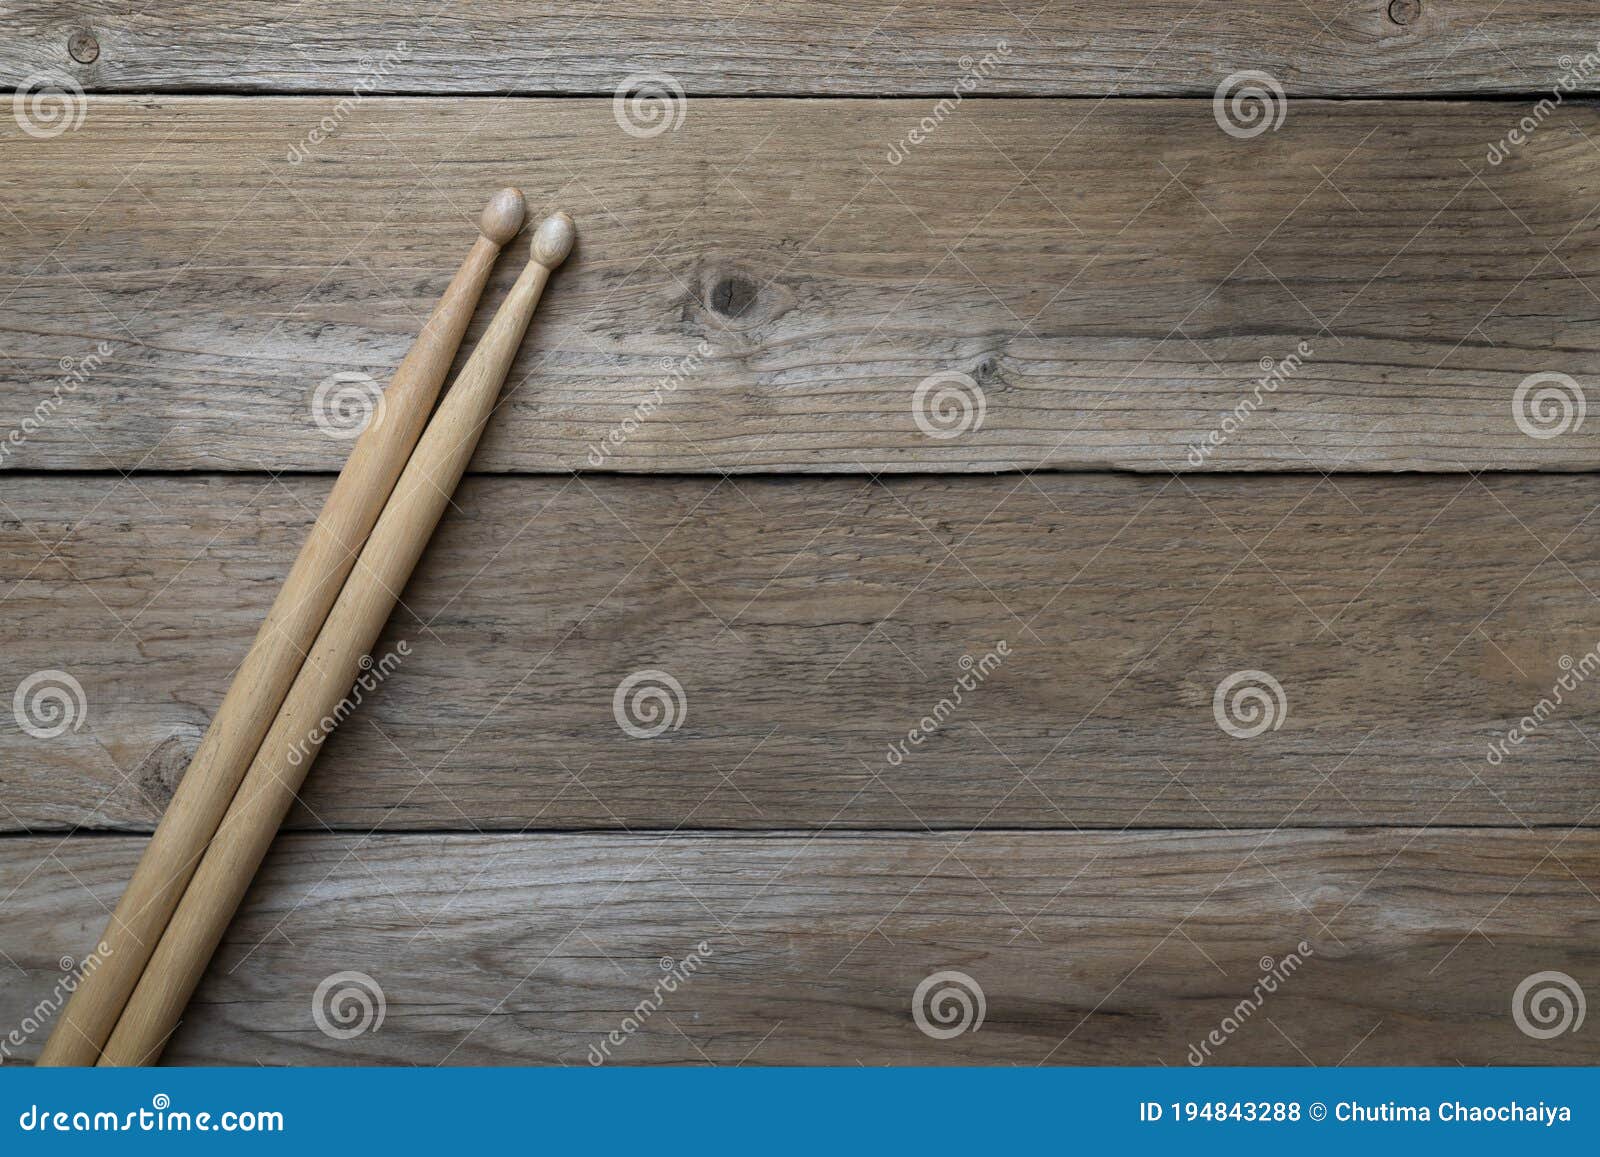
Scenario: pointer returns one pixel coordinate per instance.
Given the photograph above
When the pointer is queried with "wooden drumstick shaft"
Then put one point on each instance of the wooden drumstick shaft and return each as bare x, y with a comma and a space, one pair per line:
265, 675
352, 628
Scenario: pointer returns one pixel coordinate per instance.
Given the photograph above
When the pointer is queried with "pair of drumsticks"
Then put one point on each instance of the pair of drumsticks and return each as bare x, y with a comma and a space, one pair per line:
304, 661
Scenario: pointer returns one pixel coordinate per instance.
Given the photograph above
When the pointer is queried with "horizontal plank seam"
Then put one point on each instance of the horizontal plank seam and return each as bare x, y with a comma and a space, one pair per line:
1578, 97
790, 474
819, 833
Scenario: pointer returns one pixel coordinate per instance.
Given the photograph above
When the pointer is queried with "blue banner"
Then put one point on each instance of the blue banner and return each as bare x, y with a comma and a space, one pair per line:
934, 1111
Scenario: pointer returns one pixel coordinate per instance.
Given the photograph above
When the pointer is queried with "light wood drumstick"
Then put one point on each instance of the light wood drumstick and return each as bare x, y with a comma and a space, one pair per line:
352, 628
263, 679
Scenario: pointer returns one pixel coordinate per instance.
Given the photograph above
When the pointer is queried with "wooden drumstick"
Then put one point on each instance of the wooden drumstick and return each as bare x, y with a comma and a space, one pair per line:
352, 628
264, 678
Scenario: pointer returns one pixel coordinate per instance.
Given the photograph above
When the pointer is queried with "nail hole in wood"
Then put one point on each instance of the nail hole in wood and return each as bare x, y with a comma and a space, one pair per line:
83, 47
1404, 11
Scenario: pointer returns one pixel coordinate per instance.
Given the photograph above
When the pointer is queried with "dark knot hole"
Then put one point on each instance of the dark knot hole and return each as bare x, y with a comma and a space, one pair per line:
733, 296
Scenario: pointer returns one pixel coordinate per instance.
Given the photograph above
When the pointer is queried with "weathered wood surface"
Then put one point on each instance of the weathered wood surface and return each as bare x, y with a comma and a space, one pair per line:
1327, 47
1089, 949
1410, 621
1110, 275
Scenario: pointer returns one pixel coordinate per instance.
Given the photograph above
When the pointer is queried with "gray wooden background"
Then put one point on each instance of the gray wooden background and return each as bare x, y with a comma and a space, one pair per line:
936, 379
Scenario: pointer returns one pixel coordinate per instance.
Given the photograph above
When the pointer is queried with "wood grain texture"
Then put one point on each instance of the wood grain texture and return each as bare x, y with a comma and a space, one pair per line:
811, 622
287, 634
1110, 275
1089, 949
340, 659
1324, 47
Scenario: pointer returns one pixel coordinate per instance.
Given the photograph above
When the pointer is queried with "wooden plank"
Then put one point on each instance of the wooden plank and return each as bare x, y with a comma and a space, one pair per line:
1362, 47
1088, 949
761, 290
1410, 622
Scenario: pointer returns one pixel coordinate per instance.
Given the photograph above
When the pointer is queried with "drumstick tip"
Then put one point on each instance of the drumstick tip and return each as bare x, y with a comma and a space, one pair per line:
503, 216
553, 240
